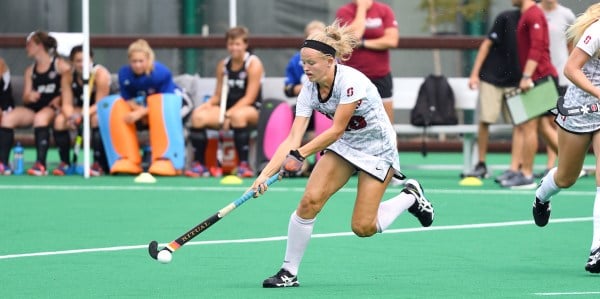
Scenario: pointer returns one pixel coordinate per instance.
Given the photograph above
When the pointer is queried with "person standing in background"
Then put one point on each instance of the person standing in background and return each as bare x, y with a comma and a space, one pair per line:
495, 72
374, 24
533, 48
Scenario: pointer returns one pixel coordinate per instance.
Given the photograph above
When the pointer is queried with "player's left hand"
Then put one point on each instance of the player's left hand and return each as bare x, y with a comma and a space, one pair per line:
292, 164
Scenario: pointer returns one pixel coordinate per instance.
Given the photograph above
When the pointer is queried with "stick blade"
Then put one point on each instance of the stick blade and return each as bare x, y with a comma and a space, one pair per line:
153, 249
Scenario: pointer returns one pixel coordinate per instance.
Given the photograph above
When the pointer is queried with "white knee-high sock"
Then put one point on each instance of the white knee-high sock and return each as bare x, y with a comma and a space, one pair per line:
596, 221
299, 233
548, 187
390, 209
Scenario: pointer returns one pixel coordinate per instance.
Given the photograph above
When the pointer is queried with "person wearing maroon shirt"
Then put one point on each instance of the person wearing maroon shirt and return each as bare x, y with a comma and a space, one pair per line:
533, 50
375, 25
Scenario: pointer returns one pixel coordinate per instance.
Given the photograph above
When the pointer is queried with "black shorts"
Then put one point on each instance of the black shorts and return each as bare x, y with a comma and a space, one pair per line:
384, 85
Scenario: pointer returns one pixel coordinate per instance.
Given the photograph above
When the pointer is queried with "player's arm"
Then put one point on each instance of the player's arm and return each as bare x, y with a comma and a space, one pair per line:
356, 22
64, 69
215, 99
343, 113
30, 96
573, 71
66, 94
388, 40
102, 85
482, 53
292, 141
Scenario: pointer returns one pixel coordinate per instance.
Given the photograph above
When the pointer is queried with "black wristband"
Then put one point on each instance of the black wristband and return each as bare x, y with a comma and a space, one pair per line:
297, 155
289, 90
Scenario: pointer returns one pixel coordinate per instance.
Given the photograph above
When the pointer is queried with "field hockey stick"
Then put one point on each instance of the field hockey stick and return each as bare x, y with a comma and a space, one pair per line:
222, 110
223, 102
577, 110
79, 130
204, 225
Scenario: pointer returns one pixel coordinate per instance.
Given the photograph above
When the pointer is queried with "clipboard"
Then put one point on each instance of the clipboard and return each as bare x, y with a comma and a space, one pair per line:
533, 103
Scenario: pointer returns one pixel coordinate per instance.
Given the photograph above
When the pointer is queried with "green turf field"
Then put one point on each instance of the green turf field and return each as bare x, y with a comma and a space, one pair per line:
67, 237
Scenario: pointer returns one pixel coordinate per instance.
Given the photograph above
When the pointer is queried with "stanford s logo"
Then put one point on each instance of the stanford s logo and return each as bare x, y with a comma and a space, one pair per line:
587, 39
350, 91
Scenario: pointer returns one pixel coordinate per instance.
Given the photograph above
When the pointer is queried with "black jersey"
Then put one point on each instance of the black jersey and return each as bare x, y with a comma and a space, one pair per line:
47, 84
77, 88
238, 81
501, 66
7, 101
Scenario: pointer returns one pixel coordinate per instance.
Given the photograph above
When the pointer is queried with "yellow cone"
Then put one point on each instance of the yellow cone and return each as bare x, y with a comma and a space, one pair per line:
470, 181
145, 177
231, 180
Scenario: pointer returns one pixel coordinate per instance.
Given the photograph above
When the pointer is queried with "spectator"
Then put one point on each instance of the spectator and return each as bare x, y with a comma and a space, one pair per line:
374, 24
534, 59
495, 72
244, 72
359, 140
72, 108
577, 133
42, 86
7, 102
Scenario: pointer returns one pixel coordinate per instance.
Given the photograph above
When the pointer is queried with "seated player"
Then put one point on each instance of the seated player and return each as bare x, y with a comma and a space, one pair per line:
7, 102
244, 73
72, 108
41, 98
148, 98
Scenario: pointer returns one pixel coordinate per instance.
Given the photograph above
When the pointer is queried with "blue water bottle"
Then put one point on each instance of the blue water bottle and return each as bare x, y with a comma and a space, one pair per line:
18, 160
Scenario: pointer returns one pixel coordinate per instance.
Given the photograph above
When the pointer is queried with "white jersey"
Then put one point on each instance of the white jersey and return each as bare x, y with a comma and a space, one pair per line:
369, 142
575, 96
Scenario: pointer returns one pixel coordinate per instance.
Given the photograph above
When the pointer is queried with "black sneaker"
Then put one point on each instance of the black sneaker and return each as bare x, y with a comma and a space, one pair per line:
282, 279
507, 174
422, 208
541, 212
592, 264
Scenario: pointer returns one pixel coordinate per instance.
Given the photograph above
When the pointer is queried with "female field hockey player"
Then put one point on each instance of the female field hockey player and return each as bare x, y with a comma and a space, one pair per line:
72, 107
41, 98
361, 139
577, 133
244, 72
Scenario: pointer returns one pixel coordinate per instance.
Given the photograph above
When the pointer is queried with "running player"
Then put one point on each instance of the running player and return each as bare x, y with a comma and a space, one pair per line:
41, 97
577, 133
359, 140
72, 107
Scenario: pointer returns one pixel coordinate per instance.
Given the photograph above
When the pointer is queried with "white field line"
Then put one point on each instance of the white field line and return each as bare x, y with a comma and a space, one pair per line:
281, 238
567, 294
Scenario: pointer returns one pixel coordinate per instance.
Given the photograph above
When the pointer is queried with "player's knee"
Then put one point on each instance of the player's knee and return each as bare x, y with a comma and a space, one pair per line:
309, 207
363, 229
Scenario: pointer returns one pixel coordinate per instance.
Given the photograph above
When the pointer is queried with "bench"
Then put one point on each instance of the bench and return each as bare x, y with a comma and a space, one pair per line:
404, 97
